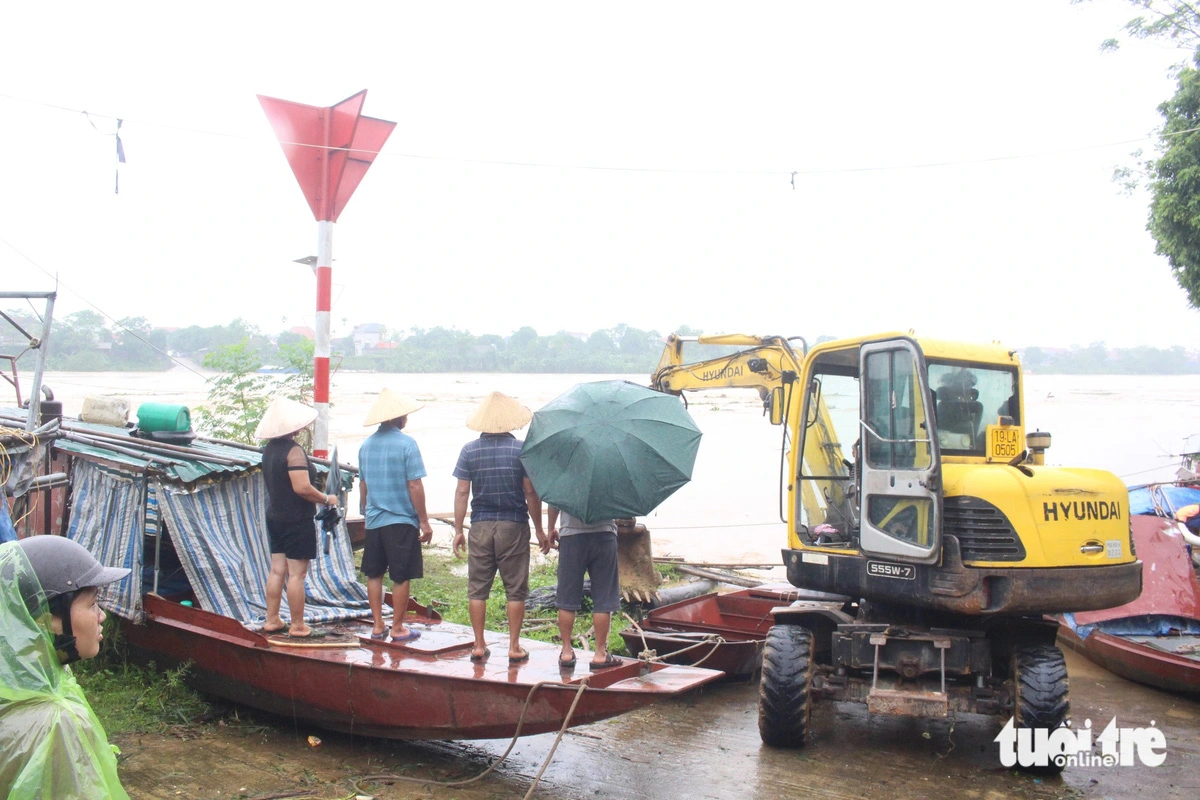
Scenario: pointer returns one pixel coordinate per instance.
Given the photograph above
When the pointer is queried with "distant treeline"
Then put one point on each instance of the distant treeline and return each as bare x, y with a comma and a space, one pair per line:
1096, 359
87, 341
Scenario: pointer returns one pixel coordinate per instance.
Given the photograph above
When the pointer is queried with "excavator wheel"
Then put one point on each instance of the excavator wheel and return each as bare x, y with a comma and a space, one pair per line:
1040, 677
785, 690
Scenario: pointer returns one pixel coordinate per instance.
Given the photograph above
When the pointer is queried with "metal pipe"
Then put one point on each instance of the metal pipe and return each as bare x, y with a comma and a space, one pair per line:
51, 480
195, 453
321, 345
35, 396
148, 457
243, 446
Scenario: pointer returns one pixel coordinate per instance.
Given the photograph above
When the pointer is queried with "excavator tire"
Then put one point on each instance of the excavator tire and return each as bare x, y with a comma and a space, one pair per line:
1040, 677
785, 690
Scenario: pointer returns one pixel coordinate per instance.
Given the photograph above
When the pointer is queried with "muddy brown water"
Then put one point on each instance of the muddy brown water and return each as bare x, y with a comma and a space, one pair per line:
701, 746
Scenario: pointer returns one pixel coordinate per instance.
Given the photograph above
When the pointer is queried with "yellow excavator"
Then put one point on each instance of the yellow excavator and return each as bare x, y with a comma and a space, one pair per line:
912, 491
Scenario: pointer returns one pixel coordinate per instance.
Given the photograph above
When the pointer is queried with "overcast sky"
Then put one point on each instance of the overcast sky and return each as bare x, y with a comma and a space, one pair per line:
573, 167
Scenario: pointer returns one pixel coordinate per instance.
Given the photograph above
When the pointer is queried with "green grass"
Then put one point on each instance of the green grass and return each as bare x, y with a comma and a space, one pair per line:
131, 698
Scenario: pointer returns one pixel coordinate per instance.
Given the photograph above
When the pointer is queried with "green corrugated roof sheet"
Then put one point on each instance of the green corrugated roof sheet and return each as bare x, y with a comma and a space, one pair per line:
183, 468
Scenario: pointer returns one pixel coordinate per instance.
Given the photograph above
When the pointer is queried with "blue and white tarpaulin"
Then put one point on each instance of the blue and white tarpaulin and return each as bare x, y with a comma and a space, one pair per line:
219, 533
107, 517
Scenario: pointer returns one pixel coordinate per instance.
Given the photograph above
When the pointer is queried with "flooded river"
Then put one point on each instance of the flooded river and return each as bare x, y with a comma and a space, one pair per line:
1130, 425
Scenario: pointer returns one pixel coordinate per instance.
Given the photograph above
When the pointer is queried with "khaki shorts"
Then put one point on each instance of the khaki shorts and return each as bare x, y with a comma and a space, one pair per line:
498, 546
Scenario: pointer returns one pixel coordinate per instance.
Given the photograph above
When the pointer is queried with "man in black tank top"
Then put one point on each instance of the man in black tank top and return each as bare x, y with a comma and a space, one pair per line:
291, 504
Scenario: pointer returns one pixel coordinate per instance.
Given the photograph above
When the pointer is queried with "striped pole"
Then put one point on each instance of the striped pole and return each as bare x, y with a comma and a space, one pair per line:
321, 350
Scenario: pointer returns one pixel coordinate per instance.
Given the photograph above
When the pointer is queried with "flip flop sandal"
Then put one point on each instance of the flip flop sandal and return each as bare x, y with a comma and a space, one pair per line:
519, 659
281, 630
481, 656
412, 636
315, 633
380, 637
610, 661
567, 663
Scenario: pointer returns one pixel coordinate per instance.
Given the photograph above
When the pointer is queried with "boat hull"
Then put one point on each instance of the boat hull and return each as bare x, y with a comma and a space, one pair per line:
375, 689
1135, 661
716, 631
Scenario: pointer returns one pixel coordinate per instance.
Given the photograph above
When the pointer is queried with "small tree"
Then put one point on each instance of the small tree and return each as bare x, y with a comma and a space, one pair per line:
238, 397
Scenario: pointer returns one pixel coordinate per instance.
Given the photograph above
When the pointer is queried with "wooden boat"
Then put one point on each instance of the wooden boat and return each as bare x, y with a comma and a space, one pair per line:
1154, 640
717, 631
425, 689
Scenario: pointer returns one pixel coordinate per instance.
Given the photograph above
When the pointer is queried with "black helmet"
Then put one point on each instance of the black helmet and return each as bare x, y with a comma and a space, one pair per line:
64, 567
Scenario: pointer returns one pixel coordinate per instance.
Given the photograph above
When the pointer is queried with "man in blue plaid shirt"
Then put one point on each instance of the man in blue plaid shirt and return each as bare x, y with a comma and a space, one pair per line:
490, 474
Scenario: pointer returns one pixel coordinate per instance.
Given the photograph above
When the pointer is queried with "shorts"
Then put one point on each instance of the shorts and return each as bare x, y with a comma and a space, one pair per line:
394, 549
498, 546
297, 540
597, 554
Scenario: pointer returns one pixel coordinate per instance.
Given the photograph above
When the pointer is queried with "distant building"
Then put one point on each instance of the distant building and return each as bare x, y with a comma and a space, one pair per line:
366, 336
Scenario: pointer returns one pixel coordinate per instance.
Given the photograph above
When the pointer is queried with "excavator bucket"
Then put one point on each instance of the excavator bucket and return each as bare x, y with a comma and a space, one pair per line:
635, 562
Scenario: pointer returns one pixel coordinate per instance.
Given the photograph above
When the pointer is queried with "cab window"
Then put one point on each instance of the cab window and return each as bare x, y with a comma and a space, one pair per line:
968, 398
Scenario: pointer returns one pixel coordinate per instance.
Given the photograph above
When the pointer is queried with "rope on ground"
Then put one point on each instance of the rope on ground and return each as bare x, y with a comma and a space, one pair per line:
583, 684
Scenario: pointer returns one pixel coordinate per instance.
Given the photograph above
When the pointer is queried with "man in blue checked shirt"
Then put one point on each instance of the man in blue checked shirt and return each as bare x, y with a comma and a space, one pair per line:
490, 474
389, 463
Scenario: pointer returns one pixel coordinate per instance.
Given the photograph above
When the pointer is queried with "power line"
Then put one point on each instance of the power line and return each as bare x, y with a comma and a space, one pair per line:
99, 310
790, 174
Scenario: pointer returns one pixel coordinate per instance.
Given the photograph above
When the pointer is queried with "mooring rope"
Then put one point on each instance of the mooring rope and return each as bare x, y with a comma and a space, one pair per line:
583, 684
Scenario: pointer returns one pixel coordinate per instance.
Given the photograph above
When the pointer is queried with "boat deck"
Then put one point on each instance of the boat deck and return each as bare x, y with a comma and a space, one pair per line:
427, 688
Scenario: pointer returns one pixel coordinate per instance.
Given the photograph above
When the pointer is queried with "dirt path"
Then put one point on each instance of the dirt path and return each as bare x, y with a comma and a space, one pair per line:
705, 746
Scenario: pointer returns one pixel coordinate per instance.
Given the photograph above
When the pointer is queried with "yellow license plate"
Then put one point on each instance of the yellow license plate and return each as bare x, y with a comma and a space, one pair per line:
1003, 442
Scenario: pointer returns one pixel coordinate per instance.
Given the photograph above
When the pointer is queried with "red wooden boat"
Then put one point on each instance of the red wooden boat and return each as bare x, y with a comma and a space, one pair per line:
716, 631
425, 689
1154, 640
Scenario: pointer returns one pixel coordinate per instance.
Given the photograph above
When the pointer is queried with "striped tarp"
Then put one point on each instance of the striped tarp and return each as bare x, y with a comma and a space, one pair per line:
220, 535
107, 517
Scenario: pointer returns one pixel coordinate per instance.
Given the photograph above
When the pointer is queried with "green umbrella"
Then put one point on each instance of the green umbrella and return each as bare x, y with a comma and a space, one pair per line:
610, 449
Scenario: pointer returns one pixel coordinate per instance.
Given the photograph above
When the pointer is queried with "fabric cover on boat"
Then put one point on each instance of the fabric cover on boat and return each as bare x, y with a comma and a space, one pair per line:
51, 743
219, 534
1161, 499
107, 510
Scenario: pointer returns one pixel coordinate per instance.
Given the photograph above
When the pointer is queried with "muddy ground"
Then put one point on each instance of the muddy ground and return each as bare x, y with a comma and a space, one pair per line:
703, 746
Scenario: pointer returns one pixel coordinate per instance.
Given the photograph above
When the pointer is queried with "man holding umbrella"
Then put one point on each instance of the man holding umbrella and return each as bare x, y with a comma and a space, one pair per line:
591, 548
502, 498
603, 451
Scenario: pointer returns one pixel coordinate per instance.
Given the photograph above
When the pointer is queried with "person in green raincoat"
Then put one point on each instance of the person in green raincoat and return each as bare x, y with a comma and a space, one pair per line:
52, 746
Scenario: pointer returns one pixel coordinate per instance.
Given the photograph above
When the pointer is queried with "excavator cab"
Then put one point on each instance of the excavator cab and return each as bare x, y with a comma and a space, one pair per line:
885, 500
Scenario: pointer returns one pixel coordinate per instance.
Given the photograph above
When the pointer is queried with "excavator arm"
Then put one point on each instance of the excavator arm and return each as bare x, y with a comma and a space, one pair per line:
764, 363
769, 364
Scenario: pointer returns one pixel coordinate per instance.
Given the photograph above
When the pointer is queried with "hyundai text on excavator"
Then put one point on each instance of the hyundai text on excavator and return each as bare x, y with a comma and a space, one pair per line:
912, 491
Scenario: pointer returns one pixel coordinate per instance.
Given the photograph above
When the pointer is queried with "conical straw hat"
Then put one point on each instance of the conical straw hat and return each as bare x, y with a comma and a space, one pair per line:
391, 406
284, 416
499, 413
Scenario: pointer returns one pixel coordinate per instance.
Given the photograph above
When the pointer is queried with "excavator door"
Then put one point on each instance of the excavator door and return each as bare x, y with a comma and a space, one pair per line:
900, 462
